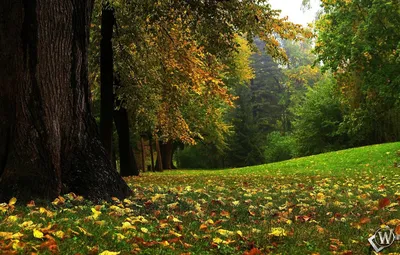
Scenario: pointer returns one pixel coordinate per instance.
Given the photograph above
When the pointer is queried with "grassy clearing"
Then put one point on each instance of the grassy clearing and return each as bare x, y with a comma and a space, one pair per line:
324, 204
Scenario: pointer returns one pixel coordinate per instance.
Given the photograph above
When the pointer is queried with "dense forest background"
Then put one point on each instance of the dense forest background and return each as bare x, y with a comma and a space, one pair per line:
262, 105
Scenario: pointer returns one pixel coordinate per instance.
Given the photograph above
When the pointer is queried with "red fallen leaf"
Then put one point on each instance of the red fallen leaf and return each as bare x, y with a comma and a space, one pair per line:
365, 220
384, 202
333, 247
381, 187
254, 251
148, 203
300, 185
150, 244
174, 240
347, 253
157, 213
217, 222
213, 214
179, 227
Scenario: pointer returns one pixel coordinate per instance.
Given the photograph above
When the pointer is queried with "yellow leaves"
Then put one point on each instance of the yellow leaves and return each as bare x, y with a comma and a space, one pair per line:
393, 222
109, 253
10, 235
84, 231
95, 214
60, 234
173, 205
120, 236
175, 233
43, 210
224, 232
12, 201
12, 218
37, 234
58, 201
157, 197
277, 232
144, 230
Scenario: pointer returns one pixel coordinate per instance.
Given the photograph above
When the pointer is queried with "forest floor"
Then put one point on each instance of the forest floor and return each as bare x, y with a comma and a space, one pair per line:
324, 204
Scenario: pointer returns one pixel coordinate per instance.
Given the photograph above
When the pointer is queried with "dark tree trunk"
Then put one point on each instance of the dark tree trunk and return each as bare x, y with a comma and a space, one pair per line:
143, 154
159, 163
151, 152
166, 154
106, 76
49, 138
127, 160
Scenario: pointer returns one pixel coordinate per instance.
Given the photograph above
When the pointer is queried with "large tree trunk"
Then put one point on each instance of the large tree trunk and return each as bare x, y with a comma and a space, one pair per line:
106, 76
127, 160
48, 137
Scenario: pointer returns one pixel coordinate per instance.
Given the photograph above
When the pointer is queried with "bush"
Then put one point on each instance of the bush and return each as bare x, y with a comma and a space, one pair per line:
279, 147
318, 120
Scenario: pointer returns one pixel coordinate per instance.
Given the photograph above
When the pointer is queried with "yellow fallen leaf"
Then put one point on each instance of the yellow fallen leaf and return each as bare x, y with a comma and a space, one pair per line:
59, 234
120, 236
37, 233
84, 231
144, 230
278, 232
12, 201
239, 233
217, 240
224, 232
12, 218
110, 253
164, 243
174, 233
95, 214
157, 196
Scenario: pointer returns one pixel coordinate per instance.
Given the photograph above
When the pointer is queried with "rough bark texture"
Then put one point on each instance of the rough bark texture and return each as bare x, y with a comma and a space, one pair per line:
48, 136
106, 76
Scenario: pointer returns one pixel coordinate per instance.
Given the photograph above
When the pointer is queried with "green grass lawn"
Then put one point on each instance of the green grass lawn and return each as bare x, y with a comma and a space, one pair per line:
324, 204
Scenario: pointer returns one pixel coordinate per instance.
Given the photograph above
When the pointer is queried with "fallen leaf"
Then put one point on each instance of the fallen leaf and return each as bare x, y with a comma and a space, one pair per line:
37, 233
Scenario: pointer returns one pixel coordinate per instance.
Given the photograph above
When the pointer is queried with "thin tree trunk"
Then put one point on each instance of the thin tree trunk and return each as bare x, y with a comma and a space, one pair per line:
159, 163
143, 155
106, 76
151, 152
49, 139
127, 160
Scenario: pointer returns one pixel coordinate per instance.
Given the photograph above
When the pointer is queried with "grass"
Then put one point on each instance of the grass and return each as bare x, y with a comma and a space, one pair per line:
324, 204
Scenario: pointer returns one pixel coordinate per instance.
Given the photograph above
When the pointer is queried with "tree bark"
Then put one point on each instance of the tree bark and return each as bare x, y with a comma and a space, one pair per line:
106, 77
49, 139
151, 152
143, 154
166, 154
127, 160
159, 163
